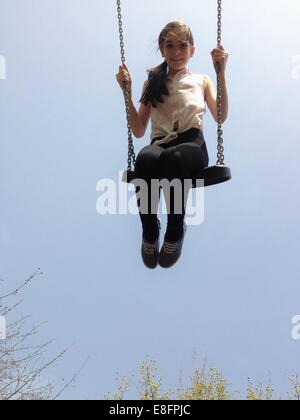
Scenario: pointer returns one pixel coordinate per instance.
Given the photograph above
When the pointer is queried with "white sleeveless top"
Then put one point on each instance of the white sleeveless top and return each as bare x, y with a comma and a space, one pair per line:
182, 109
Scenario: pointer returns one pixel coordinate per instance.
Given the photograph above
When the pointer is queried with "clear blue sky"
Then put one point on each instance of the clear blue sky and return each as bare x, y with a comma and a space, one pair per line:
234, 292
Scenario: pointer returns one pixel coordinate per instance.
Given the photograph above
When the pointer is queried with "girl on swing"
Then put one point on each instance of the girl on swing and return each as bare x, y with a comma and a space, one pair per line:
175, 99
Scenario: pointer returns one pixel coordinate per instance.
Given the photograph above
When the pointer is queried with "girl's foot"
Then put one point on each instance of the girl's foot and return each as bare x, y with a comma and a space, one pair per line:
150, 251
171, 251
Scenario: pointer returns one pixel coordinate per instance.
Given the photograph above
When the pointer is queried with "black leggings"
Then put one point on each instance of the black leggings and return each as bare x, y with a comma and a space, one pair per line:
179, 159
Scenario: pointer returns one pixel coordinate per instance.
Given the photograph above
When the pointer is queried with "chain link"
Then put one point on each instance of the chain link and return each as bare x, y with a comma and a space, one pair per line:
131, 154
220, 154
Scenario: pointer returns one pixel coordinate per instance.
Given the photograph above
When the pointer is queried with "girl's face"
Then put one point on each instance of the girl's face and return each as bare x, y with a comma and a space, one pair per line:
177, 52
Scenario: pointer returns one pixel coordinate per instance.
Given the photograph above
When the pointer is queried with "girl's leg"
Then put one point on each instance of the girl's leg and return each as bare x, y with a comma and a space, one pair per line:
147, 168
180, 162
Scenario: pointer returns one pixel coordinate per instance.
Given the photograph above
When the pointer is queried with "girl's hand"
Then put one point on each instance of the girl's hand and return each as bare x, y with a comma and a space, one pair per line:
219, 57
124, 79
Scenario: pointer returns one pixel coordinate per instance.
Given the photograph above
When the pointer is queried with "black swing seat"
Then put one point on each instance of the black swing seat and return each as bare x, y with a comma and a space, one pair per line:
211, 175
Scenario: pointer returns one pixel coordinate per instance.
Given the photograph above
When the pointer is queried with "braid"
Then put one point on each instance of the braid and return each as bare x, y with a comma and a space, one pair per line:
157, 85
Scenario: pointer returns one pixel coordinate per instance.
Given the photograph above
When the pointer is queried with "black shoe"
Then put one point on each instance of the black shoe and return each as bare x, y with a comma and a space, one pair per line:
171, 251
150, 251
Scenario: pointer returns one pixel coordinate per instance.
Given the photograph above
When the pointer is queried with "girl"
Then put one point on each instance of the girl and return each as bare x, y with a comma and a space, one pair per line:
175, 99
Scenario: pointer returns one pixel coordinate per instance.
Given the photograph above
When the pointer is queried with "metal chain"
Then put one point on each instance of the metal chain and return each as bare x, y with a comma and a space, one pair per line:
131, 153
220, 154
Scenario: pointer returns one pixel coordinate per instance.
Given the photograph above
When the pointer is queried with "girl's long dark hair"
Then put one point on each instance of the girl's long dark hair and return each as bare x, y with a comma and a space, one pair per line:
156, 87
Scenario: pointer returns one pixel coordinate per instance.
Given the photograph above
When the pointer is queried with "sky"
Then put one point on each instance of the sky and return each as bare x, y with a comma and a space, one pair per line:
235, 290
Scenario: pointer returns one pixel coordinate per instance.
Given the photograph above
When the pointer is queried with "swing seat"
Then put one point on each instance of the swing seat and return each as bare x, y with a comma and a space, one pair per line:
212, 175
128, 176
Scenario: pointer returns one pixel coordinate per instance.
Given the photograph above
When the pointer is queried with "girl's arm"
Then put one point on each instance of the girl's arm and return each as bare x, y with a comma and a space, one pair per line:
211, 98
219, 57
139, 120
144, 114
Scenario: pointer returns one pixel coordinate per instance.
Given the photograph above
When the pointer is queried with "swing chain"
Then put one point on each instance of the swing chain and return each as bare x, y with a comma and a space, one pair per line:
131, 153
220, 154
